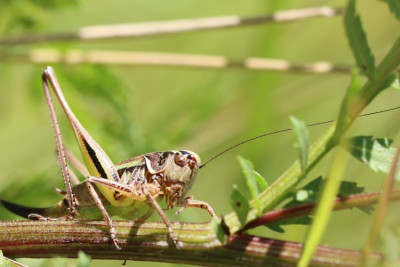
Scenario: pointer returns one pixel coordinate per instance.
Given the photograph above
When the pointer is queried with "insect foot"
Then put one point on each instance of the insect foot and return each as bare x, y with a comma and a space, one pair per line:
114, 239
38, 217
174, 238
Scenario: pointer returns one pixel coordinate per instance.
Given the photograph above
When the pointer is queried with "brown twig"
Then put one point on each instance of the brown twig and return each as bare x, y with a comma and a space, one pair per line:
154, 28
51, 56
382, 209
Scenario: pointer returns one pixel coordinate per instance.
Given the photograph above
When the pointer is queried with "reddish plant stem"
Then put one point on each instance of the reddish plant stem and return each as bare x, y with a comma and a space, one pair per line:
356, 200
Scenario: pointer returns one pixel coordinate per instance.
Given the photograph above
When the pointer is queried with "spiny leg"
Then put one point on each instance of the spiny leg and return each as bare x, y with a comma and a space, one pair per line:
97, 161
60, 148
77, 165
100, 205
73, 178
162, 215
189, 202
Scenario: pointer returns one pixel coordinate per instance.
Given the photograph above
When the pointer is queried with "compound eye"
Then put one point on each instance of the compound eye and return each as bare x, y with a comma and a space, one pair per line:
192, 164
180, 160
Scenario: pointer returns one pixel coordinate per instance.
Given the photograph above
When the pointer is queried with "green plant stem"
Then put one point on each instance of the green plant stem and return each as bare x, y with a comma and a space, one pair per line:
324, 208
147, 241
288, 180
350, 110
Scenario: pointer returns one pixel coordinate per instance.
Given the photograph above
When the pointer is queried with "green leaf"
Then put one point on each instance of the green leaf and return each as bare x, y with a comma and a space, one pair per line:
239, 204
394, 6
275, 227
302, 195
83, 260
358, 41
367, 209
376, 153
3, 261
306, 194
349, 188
346, 189
248, 170
260, 180
303, 141
389, 81
6, 262
396, 83
218, 230
309, 193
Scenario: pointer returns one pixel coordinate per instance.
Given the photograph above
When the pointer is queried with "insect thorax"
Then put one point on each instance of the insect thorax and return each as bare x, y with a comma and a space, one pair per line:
171, 172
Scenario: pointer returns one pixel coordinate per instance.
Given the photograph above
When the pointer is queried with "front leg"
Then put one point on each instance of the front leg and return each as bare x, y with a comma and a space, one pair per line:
100, 205
160, 212
189, 202
174, 193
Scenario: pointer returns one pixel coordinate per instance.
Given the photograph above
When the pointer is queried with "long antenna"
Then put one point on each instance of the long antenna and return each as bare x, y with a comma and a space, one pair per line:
286, 130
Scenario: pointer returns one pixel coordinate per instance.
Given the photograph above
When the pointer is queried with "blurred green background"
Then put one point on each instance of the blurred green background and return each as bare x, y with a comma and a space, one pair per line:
131, 110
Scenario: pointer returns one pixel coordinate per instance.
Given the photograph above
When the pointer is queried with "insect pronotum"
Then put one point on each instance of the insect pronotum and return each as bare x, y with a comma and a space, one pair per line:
130, 189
